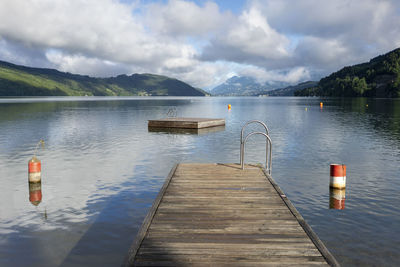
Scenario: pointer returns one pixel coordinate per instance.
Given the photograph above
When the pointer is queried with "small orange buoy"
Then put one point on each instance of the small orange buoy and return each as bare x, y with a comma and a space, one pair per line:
337, 198
321, 105
35, 193
229, 106
338, 176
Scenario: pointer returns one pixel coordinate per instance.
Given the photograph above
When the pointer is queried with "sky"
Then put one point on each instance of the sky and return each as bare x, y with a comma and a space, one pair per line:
200, 42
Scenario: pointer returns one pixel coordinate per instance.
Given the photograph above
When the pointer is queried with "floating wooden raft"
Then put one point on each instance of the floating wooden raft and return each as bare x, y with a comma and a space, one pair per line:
189, 123
200, 131
220, 215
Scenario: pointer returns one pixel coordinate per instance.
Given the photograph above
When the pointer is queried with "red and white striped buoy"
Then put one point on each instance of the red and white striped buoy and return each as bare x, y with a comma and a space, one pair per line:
34, 170
338, 176
337, 198
35, 166
35, 193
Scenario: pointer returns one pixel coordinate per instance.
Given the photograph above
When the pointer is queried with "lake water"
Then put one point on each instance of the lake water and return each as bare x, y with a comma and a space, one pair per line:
102, 169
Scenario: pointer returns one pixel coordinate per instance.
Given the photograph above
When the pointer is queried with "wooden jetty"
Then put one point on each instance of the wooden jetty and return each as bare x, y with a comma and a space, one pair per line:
194, 131
187, 123
220, 215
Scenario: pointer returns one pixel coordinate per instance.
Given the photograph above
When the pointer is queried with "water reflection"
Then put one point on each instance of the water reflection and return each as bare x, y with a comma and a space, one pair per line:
337, 198
200, 131
35, 193
106, 169
381, 114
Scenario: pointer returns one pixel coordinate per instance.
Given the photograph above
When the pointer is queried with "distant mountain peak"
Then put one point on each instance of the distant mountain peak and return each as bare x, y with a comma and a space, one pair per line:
245, 85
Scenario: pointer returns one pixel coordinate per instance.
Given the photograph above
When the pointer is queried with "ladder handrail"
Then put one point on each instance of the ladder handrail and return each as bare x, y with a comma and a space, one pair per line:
172, 112
268, 159
268, 163
242, 134
249, 122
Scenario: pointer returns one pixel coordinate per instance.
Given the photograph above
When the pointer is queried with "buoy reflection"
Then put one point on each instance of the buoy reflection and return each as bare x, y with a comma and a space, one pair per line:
35, 193
337, 198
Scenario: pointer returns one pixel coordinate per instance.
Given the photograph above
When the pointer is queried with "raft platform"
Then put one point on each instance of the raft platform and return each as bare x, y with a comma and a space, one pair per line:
185, 131
221, 215
186, 123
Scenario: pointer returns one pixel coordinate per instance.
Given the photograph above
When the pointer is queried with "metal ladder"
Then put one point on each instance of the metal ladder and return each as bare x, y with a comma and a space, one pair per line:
172, 112
268, 160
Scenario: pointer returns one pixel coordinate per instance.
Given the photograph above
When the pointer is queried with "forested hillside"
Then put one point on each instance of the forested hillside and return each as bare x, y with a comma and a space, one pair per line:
18, 80
380, 77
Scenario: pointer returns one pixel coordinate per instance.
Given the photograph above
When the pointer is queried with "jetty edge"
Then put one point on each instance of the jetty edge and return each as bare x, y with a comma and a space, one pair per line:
220, 214
186, 123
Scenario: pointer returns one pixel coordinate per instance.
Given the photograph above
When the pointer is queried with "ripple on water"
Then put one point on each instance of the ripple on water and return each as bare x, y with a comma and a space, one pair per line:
102, 169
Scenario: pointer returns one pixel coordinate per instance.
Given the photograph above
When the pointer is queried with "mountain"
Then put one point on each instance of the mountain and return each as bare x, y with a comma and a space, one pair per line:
380, 77
289, 90
241, 86
18, 80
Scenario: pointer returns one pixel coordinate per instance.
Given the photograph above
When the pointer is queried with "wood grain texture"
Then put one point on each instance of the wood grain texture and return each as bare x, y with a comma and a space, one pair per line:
188, 123
220, 215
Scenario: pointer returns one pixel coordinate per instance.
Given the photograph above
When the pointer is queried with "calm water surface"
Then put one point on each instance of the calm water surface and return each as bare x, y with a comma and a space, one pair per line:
102, 169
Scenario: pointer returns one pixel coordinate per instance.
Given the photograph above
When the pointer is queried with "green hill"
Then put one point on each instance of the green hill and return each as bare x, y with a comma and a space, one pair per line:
380, 77
18, 80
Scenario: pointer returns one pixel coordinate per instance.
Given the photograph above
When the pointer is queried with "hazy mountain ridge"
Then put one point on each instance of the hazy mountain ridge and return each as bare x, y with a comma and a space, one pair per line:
16, 80
289, 90
244, 86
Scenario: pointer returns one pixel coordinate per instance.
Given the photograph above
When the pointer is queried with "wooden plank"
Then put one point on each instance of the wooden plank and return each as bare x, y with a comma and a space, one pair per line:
252, 260
234, 236
307, 228
228, 251
189, 123
218, 214
184, 131
216, 206
225, 239
229, 261
228, 215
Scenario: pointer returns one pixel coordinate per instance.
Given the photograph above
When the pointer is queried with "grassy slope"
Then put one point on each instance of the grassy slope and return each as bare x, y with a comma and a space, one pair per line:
19, 81
24, 81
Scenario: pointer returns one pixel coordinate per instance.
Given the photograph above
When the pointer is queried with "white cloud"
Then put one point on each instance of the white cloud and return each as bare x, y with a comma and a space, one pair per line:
104, 37
254, 36
181, 18
322, 53
249, 40
97, 28
198, 43
297, 75
17, 53
292, 76
77, 63
366, 27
